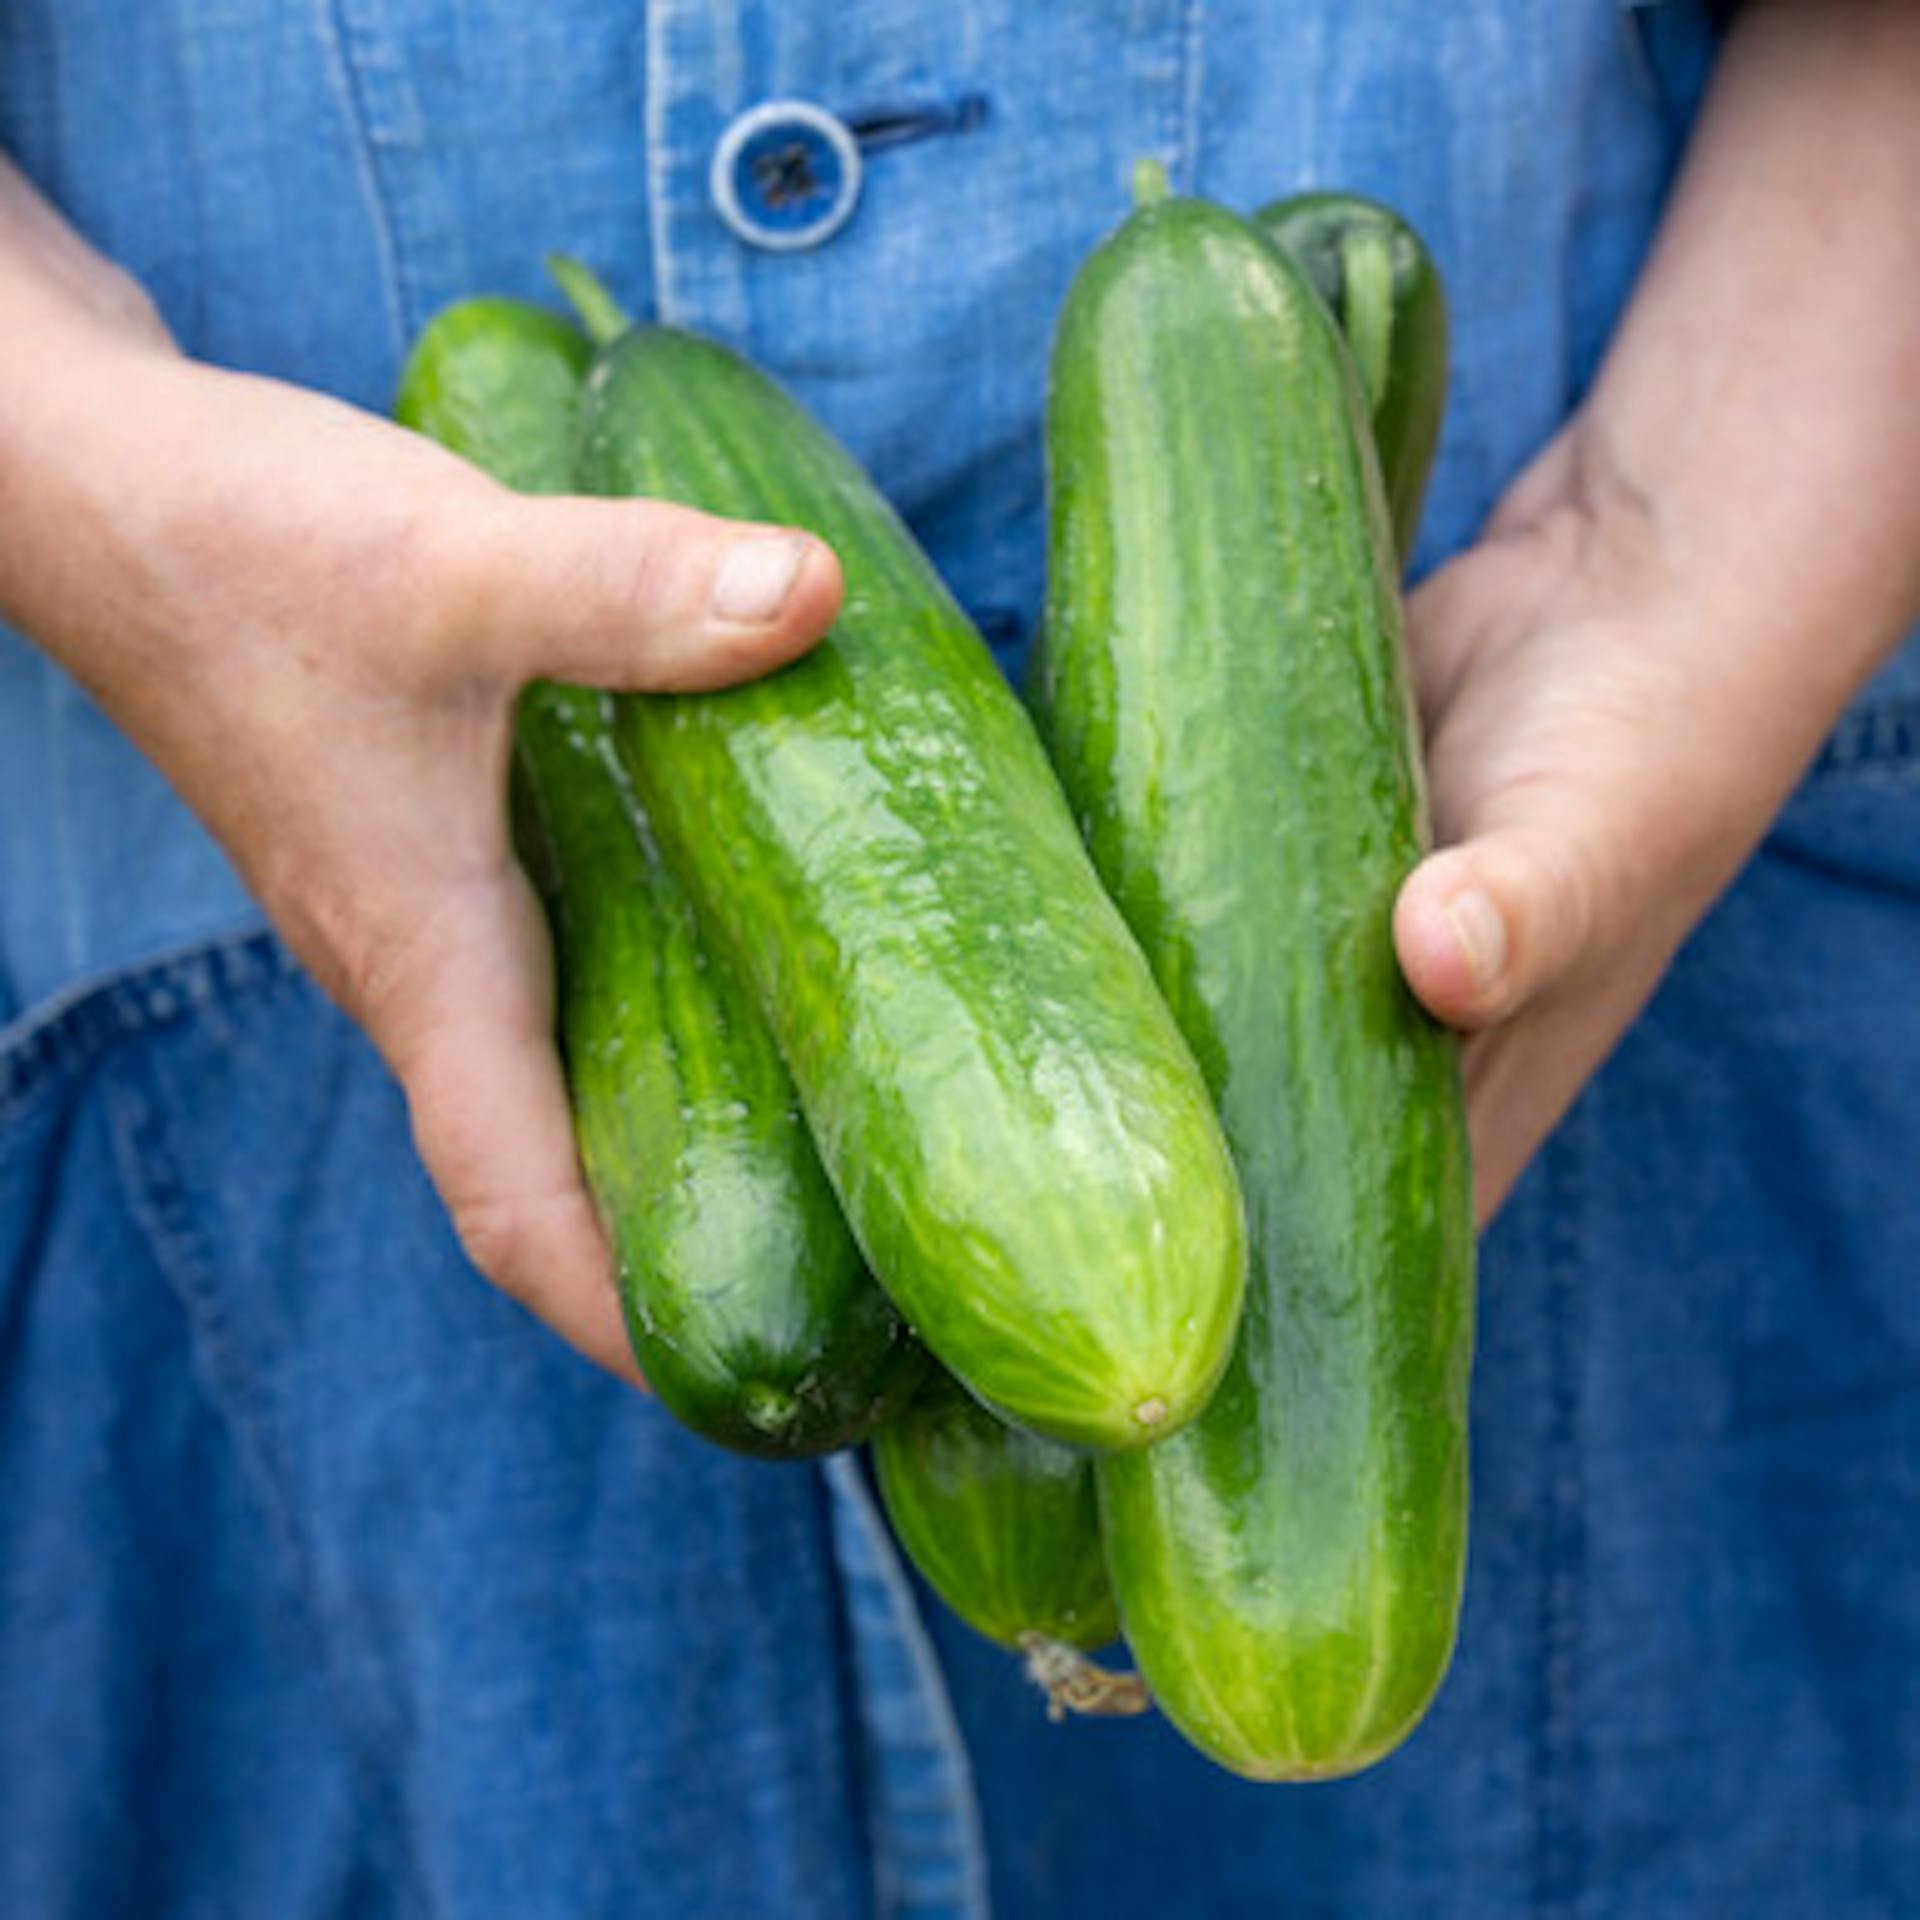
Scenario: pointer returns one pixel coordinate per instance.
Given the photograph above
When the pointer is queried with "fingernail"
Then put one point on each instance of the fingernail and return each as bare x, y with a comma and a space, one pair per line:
1483, 938
755, 579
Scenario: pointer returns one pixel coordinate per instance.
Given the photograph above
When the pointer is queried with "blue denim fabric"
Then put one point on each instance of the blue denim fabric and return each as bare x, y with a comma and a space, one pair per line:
329, 1585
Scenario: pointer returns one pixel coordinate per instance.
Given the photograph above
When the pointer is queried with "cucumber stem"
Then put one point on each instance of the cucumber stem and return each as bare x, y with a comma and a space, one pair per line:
1075, 1684
1150, 182
604, 318
1366, 305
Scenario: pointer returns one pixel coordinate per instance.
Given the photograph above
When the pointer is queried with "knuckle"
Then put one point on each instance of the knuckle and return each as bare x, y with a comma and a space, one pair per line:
650, 599
1567, 887
1534, 896
614, 582
656, 551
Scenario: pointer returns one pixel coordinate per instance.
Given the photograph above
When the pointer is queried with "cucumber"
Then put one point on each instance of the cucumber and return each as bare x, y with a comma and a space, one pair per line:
1226, 701
1003, 1525
498, 382
1005, 1528
750, 1310
1022, 1141
1376, 274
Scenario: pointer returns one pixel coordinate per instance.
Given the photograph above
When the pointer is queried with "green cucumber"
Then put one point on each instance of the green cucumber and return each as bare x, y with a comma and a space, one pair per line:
1376, 274
1004, 1525
751, 1313
1021, 1139
1223, 687
1005, 1528
498, 382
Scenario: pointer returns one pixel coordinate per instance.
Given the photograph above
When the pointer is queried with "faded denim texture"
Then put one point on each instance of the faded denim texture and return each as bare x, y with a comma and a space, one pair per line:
331, 1586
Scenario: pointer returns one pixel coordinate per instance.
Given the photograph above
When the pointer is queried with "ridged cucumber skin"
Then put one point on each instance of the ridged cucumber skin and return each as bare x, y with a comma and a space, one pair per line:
1226, 701
750, 1310
1004, 1526
1020, 1137
1374, 271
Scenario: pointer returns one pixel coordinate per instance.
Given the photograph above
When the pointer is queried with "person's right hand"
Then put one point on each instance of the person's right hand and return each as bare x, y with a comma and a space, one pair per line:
315, 624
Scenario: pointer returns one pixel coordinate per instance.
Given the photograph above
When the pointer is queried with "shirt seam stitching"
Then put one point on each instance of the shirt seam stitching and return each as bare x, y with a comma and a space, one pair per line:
1192, 70
82, 1022
348, 80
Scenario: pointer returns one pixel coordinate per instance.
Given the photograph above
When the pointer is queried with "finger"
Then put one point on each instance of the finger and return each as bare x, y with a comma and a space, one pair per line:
1519, 1080
1474, 603
1484, 927
1521, 1077
468, 1030
641, 595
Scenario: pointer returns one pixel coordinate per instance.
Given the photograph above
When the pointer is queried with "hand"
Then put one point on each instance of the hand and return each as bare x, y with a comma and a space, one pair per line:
1596, 780
315, 624
1622, 682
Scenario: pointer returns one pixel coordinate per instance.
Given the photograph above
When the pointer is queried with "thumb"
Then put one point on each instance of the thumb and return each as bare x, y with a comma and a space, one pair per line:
1488, 925
641, 595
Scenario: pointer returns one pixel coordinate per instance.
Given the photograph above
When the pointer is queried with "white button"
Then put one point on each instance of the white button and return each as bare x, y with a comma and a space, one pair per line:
786, 174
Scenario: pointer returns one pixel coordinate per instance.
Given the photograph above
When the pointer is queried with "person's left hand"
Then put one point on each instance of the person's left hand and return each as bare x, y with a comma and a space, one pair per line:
1622, 682
1602, 758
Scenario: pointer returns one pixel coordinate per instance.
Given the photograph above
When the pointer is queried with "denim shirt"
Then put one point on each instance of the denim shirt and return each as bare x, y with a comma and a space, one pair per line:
330, 1585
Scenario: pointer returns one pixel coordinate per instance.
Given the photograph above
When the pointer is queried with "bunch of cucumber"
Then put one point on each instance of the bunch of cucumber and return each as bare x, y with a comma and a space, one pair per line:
1044, 1102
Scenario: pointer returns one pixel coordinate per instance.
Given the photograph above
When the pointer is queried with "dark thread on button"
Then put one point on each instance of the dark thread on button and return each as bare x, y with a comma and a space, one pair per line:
896, 124
785, 174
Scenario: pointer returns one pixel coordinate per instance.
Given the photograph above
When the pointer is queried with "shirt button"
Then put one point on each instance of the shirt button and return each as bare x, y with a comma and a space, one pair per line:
786, 174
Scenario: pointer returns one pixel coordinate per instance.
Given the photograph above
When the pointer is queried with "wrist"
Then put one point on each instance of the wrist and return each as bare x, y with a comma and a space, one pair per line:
91, 446
1755, 404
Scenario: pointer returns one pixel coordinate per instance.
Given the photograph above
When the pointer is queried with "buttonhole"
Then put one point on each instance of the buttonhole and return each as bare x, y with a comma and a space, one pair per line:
896, 123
